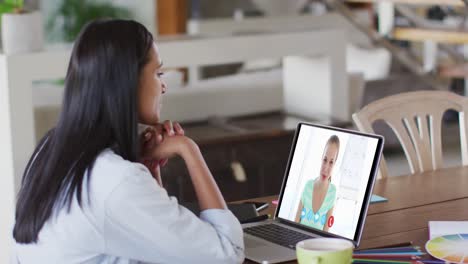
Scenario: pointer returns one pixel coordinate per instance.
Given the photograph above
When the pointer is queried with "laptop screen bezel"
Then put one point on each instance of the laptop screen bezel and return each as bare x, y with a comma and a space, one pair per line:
369, 187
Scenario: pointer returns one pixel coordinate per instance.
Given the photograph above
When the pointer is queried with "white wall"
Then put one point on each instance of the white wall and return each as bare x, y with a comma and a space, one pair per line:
7, 189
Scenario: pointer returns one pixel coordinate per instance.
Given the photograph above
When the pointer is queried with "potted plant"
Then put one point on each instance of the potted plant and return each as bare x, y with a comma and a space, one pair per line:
21, 30
70, 16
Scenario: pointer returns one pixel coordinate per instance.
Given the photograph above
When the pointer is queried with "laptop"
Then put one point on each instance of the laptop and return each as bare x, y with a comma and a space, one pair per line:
325, 192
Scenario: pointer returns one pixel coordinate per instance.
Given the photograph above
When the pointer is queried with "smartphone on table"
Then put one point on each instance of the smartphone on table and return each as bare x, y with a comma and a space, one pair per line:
259, 206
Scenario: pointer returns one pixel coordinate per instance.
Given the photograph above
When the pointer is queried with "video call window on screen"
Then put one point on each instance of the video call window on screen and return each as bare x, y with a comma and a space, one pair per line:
327, 180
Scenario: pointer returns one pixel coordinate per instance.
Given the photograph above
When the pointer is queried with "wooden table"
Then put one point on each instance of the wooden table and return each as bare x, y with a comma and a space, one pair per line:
413, 200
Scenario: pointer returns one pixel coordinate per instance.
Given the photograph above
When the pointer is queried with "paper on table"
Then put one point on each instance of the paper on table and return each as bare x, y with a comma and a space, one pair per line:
377, 199
441, 228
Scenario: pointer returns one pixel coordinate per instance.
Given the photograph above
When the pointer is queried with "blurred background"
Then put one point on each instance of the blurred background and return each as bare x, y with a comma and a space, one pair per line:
242, 73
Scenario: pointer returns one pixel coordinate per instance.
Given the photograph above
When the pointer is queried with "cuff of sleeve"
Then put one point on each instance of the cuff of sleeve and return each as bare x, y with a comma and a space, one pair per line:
214, 216
226, 223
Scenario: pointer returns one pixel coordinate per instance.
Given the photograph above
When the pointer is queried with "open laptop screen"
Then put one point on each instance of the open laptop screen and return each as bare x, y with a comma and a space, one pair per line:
329, 179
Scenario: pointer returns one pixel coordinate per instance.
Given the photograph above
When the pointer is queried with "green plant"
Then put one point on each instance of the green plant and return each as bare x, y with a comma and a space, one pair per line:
71, 15
11, 6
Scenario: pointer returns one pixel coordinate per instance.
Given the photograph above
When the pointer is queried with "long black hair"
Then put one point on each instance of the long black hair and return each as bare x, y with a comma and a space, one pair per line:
99, 111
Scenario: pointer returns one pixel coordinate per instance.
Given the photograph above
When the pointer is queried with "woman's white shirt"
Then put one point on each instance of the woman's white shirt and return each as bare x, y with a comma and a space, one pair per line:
126, 217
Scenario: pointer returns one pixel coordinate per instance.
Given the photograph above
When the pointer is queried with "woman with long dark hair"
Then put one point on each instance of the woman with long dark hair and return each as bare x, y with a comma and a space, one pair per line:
92, 192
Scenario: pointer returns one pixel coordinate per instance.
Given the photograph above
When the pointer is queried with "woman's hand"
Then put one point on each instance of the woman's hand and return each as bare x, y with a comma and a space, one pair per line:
169, 129
151, 138
174, 146
148, 141
173, 143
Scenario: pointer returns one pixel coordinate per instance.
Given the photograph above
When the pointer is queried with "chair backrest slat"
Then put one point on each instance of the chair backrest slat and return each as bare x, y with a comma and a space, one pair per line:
435, 128
416, 120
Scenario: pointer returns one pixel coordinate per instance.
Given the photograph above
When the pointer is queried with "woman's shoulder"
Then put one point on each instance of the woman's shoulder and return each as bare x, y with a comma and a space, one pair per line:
332, 189
110, 170
309, 184
109, 161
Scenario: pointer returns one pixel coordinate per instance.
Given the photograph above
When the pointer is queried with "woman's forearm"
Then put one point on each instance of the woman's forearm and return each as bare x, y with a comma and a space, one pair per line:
207, 191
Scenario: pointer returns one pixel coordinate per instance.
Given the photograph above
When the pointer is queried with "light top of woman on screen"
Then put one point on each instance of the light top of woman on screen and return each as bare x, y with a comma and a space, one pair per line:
319, 194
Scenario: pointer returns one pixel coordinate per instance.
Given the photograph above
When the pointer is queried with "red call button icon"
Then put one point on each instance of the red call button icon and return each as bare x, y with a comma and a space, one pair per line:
331, 220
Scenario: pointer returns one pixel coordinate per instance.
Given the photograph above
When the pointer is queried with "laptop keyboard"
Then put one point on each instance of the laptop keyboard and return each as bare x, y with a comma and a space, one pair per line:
277, 234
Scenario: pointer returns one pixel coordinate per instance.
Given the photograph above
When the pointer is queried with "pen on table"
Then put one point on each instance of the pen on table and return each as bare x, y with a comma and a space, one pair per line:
393, 249
383, 261
404, 257
256, 219
389, 252
378, 254
405, 244
380, 261
431, 262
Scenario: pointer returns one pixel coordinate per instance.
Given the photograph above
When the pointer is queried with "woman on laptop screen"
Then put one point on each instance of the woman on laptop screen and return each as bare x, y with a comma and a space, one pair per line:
319, 194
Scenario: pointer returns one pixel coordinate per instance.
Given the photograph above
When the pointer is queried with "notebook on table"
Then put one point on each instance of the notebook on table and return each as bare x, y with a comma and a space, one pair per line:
442, 228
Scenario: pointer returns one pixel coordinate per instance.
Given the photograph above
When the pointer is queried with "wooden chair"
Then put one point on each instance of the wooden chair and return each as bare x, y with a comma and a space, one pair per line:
416, 118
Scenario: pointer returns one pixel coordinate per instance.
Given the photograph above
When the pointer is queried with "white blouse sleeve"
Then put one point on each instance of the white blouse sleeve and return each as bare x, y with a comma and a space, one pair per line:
143, 223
